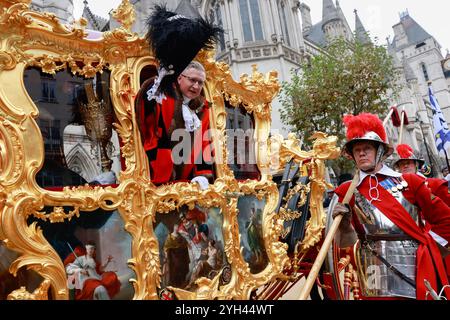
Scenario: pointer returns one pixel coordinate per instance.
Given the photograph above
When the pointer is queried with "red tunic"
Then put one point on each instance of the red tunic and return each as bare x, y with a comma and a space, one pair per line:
432, 209
439, 187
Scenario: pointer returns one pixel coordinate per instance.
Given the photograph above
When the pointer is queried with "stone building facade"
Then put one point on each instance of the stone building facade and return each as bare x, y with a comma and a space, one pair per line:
280, 34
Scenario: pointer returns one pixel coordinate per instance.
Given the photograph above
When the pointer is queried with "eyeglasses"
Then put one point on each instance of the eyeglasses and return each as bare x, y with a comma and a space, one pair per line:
194, 81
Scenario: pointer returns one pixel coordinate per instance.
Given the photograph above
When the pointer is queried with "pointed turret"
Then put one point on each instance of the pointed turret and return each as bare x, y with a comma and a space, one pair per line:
333, 25
95, 22
408, 32
186, 9
342, 16
360, 32
329, 11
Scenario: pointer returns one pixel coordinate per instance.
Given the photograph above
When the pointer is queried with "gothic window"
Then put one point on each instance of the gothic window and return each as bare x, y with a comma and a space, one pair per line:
283, 19
251, 20
52, 139
216, 17
48, 86
425, 72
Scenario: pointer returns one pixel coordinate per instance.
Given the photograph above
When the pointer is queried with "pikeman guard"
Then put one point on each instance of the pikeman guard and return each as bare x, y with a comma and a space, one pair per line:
396, 255
409, 162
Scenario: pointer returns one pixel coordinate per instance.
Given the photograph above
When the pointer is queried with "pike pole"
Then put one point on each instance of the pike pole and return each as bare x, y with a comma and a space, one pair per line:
315, 269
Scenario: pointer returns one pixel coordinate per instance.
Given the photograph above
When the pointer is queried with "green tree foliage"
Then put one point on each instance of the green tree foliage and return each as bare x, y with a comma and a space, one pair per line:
349, 78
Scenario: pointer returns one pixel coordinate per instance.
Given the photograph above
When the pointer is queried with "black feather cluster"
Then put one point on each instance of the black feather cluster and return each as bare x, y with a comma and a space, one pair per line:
176, 40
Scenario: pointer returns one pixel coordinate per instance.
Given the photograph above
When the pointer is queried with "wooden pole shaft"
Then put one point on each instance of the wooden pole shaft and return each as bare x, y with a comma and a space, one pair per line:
315, 269
400, 139
388, 117
320, 258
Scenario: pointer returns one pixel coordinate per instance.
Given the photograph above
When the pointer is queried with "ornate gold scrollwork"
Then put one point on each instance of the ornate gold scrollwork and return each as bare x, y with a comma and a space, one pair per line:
324, 148
41, 293
125, 14
287, 214
35, 39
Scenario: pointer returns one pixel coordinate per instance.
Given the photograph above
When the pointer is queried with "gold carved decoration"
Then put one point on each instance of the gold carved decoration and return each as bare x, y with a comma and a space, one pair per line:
32, 39
287, 214
324, 148
41, 293
125, 14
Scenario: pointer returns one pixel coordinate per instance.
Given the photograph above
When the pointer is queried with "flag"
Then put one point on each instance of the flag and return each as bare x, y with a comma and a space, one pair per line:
441, 131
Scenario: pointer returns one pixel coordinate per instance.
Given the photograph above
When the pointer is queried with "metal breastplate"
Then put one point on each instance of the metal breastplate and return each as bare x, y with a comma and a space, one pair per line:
390, 242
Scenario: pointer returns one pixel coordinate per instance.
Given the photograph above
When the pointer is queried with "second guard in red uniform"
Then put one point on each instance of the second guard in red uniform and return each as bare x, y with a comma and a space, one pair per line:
408, 162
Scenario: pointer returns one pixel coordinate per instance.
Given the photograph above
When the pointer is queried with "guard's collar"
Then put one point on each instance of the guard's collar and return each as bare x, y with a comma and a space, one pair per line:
385, 171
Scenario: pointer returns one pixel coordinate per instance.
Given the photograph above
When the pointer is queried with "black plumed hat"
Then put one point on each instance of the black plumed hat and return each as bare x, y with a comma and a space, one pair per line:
176, 39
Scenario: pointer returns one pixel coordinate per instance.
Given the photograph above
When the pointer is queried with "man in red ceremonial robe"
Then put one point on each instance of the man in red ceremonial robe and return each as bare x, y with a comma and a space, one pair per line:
186, 118
87, 276
173, 118
396, 254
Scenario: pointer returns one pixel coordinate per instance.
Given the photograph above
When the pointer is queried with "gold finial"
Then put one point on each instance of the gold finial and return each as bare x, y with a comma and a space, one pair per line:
125, 14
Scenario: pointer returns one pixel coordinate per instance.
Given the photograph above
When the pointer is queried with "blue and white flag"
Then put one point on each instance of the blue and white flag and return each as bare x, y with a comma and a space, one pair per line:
441, 131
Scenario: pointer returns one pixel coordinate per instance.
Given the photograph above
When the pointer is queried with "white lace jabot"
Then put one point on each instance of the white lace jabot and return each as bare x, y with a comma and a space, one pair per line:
191, 120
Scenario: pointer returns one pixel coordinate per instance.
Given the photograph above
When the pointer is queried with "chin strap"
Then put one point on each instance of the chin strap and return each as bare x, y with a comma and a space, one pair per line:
380, 154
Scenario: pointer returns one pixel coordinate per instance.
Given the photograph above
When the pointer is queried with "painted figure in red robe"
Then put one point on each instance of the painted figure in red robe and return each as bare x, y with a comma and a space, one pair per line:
87, 276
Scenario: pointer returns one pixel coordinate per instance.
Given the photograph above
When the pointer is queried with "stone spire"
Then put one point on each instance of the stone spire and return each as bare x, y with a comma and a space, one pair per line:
185, 8
333, 25
361, 33
329, 11
397, 64
95, 22
306, 17
348, 30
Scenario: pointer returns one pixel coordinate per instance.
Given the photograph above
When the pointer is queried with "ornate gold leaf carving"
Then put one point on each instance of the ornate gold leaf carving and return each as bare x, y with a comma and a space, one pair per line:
11, 153
35, 39
57, 215
125, 14
41, 293
7, 61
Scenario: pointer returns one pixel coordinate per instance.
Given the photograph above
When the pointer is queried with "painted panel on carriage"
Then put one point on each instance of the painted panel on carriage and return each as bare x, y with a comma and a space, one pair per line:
191, 246
250, 228
75, 119
94, 249
240, 130
24, 278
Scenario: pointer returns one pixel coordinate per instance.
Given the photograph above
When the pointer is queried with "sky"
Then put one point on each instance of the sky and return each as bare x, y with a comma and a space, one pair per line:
377, 16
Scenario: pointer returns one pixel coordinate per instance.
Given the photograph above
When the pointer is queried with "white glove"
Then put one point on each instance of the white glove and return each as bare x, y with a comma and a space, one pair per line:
202, 181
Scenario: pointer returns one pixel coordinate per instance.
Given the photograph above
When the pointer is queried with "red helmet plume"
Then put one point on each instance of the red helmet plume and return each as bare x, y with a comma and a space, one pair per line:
365, 127
405, 151
358, 126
